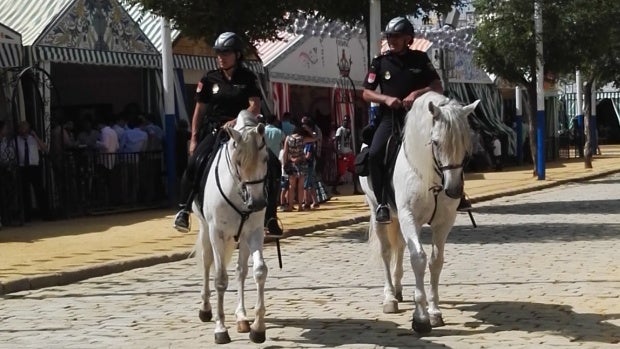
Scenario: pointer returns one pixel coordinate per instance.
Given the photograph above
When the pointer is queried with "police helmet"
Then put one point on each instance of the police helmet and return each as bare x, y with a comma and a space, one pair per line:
399, 25
228, 41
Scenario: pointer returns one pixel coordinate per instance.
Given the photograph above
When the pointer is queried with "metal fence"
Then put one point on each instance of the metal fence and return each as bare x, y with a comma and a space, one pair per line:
84, 182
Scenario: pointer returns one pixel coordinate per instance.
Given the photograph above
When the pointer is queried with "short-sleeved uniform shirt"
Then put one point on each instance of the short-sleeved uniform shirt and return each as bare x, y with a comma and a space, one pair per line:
226, 98
399, 75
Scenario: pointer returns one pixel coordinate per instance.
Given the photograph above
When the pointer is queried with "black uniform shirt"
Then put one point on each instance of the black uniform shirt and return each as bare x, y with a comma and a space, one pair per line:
226, 98
399, 75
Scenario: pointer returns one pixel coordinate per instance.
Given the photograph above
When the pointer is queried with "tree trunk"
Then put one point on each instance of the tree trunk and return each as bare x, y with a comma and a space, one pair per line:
587, 114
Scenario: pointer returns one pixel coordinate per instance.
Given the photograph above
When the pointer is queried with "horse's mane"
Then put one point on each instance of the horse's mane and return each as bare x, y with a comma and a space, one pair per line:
247, 150
453, 131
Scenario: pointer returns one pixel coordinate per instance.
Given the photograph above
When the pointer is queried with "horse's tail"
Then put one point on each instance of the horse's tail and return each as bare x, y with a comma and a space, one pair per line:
394, 238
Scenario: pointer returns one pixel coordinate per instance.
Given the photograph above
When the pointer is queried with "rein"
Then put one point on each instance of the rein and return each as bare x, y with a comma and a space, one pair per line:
244, 214
439, 169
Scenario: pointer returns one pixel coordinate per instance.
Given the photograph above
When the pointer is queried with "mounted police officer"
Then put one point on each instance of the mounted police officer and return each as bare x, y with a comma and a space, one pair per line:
403, 75
220, 95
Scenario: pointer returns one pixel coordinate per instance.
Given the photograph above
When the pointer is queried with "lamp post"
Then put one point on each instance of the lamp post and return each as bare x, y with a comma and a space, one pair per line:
169, 109
519, 124
374, 29
540, 93
579, 112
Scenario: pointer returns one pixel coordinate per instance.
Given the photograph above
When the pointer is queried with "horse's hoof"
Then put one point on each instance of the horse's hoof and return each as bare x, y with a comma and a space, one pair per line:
390, 307
257, 337
243, 326
399, 296
421, 327
205, 315
222, 338
436, 320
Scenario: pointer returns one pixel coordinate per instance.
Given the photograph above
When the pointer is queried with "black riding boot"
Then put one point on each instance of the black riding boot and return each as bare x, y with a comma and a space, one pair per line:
190, 180
272, 183
181, 220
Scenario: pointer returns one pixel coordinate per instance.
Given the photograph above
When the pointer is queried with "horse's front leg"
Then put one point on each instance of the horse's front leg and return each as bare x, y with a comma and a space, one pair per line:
220, 279
411, 232
440, 235
258, 327
390, 302
206, 258
243, 325
398, 271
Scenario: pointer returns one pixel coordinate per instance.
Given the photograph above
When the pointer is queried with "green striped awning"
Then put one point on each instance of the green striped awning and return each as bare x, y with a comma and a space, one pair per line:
10, 55
82, 56
206, 63
10, 47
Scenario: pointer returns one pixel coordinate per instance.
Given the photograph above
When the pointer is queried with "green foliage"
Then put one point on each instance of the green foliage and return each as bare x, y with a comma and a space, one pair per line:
577, 34
259, 20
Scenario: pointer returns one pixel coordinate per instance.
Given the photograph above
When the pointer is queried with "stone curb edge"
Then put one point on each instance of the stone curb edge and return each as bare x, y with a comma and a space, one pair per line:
74, 275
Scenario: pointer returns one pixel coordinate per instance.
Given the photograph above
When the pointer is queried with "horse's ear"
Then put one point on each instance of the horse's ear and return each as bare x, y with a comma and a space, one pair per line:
434, 109
234, 134
470, 108
260, 129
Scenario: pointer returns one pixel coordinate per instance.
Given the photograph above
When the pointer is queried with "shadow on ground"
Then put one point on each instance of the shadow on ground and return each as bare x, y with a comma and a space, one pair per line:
537, 317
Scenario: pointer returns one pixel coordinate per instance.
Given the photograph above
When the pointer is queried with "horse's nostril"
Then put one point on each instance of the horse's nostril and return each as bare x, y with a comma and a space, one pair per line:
250, 206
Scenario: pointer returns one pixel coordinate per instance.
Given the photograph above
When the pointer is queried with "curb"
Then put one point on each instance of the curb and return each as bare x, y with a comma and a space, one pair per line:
74, 275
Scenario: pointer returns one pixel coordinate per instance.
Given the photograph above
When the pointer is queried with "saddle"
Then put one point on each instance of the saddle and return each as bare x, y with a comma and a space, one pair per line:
389, 159
221, 138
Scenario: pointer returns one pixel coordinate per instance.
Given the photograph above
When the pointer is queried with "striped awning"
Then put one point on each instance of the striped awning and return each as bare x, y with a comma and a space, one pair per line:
10, 47
10, 55
281, 98
81, 56
271, 51
206, 63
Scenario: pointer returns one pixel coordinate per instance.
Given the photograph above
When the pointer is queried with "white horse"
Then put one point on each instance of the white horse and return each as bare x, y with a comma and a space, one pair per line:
428, 183
233, 212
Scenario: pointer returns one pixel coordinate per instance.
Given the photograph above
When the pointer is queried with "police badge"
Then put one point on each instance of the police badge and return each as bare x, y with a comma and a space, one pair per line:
387, 75
215, 88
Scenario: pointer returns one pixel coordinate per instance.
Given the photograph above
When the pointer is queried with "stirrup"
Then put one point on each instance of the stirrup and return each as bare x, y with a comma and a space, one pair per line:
268, 233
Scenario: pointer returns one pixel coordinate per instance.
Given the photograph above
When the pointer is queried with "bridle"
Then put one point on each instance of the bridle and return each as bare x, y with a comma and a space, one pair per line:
242, 186
439, 170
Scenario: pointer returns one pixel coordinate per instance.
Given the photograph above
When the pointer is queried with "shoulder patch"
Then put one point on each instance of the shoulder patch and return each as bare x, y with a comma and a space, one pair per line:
371, 77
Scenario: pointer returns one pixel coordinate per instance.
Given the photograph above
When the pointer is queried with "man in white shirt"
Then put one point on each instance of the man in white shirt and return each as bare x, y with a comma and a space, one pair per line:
28, 147
346, 156
497, 153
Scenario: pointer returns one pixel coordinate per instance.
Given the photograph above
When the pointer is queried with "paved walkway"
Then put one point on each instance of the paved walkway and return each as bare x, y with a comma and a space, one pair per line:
43, 254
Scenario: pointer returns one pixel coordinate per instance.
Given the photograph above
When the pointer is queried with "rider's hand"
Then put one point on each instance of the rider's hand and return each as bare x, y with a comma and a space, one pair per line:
393, 102
231, 123
408, 101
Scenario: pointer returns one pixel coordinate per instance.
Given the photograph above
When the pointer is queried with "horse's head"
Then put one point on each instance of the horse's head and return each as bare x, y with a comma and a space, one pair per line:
248, 163
451, 143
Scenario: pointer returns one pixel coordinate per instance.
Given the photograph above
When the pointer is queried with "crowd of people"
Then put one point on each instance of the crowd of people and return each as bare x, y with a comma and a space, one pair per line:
299, 142
79, 163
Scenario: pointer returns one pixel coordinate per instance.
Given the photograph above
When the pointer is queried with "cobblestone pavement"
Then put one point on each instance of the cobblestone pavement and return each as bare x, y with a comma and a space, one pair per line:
540, 271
